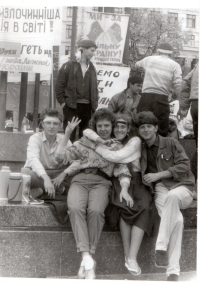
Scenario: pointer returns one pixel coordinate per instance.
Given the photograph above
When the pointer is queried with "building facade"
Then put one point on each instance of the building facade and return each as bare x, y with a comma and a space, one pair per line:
189, 18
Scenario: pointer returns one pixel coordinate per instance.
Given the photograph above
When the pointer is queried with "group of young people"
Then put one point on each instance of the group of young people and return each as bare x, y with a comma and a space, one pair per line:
136, 174
121, 161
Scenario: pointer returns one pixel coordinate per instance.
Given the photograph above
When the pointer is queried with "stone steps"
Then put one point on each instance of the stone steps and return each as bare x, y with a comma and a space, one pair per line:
34, 244
184, 276
27, 252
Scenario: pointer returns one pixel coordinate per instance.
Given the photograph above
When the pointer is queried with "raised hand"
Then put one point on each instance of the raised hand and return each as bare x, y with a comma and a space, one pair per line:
72, 125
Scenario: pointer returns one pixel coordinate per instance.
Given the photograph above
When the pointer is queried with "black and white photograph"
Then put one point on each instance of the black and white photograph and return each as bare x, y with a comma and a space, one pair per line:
99, 141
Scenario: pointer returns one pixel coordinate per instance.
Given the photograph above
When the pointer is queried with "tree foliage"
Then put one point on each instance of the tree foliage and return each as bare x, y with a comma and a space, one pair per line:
149, 28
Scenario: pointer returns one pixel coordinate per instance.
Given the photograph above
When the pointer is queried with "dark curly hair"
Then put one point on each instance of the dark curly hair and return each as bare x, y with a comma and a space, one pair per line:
51, 112
145, 117
134, 79
100, 114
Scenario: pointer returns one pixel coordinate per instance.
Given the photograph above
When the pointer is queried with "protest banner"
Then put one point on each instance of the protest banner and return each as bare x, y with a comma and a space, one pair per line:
109, 32
27, 35
111, 80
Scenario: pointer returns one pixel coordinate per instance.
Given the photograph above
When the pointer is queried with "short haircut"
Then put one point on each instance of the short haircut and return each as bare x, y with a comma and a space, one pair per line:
52, 112
100, 114
146, 117
134, 79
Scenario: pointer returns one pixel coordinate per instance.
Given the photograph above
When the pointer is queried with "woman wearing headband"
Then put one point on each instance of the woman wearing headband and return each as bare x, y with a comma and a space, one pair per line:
135, 207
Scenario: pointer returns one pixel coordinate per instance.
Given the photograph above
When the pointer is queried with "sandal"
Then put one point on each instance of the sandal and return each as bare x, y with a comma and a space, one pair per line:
132, 270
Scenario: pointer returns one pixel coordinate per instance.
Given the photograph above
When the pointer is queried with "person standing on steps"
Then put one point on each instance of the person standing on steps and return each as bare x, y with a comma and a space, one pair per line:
76, 87
161, 73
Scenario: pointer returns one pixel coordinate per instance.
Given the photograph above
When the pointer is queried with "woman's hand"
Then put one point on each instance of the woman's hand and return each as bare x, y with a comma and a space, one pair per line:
109, 142
72, 125
58, 180
87, 143
125, 195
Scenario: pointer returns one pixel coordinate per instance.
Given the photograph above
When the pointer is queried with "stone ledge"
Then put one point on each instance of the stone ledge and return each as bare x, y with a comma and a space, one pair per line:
53, 254
25, 215
10, 142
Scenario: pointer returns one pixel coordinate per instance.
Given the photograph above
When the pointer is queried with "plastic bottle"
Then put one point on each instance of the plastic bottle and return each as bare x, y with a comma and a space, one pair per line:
9, 125
4, 181
25, 124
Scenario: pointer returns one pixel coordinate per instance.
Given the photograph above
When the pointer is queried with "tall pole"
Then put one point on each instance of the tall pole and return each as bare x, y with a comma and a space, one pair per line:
23, 98
126, 53
36, 101
3, 94
73, 40
55, 74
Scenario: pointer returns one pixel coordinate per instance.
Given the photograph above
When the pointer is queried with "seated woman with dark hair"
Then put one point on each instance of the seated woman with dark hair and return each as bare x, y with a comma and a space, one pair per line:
135, 206
90, 186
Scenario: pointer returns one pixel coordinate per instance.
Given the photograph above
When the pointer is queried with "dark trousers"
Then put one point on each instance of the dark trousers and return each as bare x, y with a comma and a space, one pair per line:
83, 112
194, 114
159, 105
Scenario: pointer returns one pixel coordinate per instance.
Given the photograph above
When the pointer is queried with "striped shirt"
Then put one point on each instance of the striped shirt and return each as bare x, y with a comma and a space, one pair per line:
161, 74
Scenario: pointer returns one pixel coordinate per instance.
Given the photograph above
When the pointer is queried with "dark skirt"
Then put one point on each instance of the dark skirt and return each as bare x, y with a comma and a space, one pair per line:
143, 212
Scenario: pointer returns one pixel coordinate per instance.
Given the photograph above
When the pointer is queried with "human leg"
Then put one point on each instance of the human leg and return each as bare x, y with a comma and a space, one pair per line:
169, 238
97, 202
125, 231
136, 240
77, 204
161, 110
84, 113
194, 114
137, 235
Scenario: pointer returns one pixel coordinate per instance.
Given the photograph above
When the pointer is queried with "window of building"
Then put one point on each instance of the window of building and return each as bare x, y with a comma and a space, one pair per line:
67, 50
118, 10
69, 12
172, 17
68, 31
191, 37
95, 9
190, 21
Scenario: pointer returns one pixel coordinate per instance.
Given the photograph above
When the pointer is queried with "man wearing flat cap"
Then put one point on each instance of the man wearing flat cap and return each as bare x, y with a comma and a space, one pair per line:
76, 86
161, 74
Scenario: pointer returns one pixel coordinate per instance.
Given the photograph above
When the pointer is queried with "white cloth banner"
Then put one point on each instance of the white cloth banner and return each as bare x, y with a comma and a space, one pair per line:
27, 35
109, 32
111, 80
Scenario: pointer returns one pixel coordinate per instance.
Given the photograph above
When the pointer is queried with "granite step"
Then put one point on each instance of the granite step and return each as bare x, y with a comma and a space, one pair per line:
184, 277
27, 252
26, 215
34, 244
